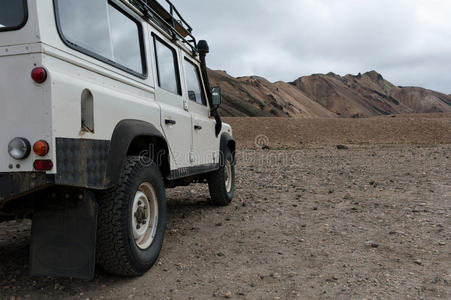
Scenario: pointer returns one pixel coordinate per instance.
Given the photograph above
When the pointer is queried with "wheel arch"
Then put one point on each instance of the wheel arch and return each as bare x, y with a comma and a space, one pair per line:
135, 137
227, 141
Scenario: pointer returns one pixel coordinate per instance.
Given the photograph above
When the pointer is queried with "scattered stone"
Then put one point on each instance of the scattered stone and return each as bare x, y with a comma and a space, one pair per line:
371, 244
342, 147
418, 262
228, 294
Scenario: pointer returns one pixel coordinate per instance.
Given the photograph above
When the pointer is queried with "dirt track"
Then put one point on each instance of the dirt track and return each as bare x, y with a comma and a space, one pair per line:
317, 223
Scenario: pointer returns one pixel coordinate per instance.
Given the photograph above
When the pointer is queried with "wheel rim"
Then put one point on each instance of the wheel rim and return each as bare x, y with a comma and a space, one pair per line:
228, 176
145, 216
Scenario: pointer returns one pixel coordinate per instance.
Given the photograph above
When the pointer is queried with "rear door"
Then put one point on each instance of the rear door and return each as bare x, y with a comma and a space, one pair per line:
203, 127
175, 115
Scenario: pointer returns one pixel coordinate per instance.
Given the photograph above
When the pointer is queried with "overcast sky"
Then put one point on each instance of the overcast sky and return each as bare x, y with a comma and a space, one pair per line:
408, 41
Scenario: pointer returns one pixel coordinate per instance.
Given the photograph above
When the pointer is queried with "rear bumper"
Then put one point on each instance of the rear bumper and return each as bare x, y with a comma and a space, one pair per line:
80, 163
13, 185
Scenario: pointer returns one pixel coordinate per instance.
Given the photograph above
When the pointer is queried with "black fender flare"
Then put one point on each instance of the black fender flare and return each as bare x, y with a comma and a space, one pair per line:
123, 135
226, 141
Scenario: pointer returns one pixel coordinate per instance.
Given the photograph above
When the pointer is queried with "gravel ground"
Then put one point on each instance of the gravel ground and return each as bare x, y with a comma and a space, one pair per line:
363, 223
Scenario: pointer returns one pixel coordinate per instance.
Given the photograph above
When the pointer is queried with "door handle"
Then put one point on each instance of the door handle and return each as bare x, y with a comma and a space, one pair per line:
170, 122
197, 127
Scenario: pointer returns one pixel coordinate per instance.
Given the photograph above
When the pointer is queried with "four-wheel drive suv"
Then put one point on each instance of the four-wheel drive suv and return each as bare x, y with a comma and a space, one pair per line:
104, 104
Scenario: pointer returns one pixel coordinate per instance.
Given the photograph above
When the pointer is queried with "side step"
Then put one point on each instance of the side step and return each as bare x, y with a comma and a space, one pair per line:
63, 236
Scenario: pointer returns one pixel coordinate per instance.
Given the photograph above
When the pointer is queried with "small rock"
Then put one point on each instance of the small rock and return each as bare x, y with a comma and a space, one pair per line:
342, 147
371, 244
228, 294
418, 262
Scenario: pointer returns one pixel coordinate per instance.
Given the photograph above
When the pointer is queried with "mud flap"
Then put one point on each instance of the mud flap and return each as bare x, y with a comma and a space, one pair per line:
63, 239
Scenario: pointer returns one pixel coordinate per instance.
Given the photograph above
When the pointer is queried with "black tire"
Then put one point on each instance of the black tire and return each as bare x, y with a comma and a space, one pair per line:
217, 181
117, 251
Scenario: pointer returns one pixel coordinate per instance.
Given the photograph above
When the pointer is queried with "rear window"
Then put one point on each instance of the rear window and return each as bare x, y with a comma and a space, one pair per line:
13, 14
104, 30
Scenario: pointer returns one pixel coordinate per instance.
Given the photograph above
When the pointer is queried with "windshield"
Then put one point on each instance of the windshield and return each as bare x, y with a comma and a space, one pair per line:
13, 14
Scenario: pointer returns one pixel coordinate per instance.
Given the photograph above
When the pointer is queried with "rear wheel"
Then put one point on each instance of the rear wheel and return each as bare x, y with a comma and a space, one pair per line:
222, 182
132, 220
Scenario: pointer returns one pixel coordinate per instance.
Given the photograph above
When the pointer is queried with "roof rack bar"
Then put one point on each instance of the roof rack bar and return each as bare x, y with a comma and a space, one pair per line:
171, 21
173, 8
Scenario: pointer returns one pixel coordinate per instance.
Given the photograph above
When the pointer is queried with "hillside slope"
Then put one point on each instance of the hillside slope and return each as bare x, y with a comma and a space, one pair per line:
324, 96
257, 97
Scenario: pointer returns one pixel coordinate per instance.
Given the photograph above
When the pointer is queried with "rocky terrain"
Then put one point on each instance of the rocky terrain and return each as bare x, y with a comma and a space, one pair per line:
290, 133
325, 96
370, 220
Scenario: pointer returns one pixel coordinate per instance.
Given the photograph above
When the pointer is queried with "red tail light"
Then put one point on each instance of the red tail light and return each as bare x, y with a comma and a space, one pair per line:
39, 75
43, 165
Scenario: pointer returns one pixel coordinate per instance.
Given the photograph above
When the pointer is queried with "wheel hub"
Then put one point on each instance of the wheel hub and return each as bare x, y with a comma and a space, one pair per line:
145, 215
140, 215
228, 176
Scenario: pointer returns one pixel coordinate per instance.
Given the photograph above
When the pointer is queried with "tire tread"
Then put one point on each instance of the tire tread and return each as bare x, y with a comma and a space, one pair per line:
111, 248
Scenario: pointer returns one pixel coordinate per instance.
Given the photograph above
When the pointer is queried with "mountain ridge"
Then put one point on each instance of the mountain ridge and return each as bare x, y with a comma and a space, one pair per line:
324, 96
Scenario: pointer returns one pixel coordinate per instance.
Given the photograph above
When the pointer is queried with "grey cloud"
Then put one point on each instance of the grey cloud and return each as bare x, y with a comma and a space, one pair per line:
408, 41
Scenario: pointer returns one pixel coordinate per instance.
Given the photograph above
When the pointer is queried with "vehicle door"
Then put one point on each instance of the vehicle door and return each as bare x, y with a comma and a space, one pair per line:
175, 116
205, 147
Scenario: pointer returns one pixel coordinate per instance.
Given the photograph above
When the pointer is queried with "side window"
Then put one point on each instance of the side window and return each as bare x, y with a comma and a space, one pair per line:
167, 70
103, 30
13, 14
194, 84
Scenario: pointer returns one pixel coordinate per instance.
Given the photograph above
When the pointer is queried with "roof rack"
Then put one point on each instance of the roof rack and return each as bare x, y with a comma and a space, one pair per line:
170, 20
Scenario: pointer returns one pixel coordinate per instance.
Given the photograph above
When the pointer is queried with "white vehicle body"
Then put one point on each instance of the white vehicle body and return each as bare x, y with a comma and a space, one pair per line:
89, 88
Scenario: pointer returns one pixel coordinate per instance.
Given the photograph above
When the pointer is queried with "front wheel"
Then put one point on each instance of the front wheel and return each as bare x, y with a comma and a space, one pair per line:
132, 220
222, 182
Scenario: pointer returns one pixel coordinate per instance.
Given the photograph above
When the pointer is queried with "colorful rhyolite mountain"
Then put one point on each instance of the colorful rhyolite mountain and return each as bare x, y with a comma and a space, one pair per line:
324, 96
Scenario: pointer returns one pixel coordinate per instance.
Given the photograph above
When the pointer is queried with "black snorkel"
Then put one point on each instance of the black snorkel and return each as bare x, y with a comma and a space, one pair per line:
203, 49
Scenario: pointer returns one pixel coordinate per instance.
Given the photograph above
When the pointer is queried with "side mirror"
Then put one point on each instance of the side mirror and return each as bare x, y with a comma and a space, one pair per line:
217, 97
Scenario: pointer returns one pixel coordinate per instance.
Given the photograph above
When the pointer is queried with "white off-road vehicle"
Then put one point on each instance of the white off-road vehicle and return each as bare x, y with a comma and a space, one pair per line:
104, 104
